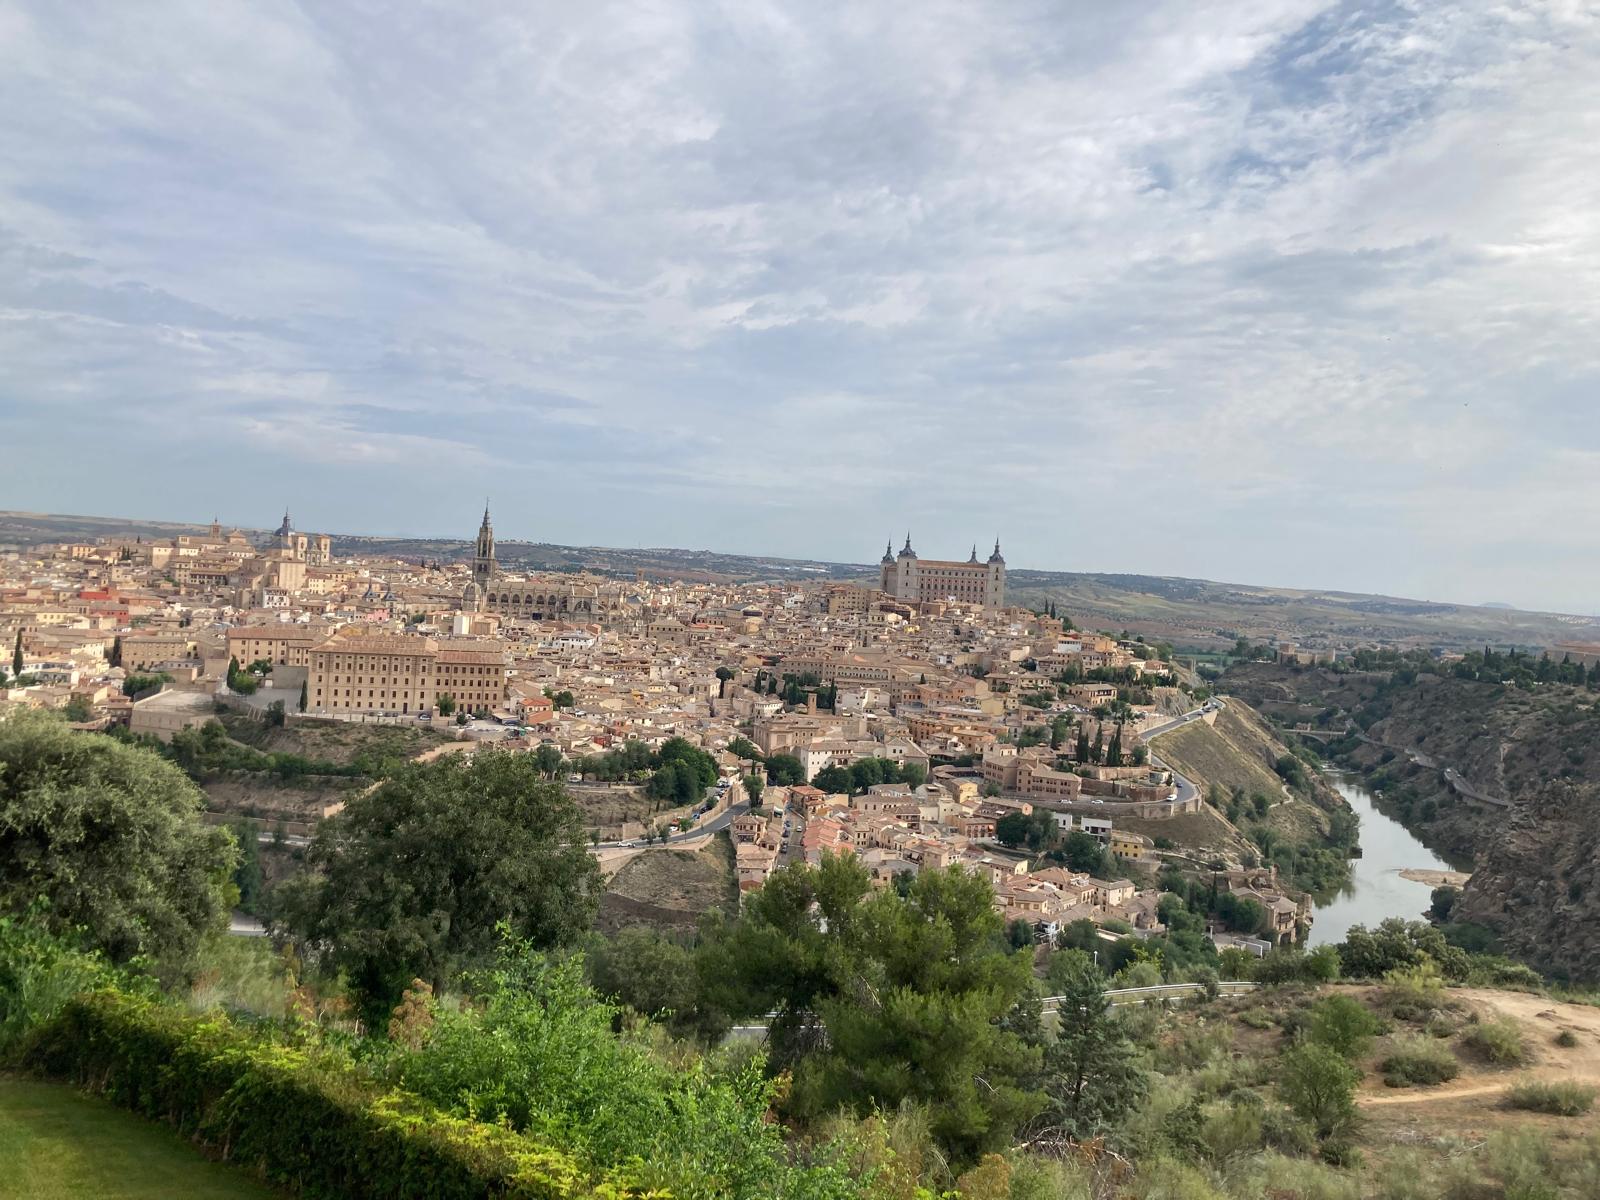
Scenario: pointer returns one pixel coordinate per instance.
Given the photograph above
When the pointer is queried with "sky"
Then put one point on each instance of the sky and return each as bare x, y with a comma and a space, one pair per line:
1268, 291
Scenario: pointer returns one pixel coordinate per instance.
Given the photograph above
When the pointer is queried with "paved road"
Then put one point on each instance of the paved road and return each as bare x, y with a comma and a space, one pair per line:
1188, 718
716, 825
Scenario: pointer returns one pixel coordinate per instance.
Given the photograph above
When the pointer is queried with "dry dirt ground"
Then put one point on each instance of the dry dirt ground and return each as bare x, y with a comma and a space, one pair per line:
1468, 1110
670, 888
1541, 1020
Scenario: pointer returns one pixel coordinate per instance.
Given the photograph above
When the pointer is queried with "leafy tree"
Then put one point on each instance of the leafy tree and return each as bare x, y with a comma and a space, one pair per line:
1013, 829
883, 998
1394, 944
655, 977
78, 709
446, 704
1319, 1085
754, 785
1344, 1025
785, 770
1082, 852
247, 877
834, 780
1019, 934
547, 759
111, 836
411, 878
560, 700
275, 713
134, 684
743, 748
1092, 1076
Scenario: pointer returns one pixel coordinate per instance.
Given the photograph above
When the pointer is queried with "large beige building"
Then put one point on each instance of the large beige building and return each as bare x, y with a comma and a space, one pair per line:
402, 674
925, 580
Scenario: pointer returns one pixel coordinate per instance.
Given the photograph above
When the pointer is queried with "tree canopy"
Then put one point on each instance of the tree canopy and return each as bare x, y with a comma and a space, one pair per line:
111, 836
411, 878
883, 998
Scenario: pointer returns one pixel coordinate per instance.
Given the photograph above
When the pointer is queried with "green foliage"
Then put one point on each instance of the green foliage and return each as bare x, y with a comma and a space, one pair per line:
1396, 944
754, 786
883, 999
1498, 1042
1291, 965
655, 977
306, 1118
684, 773
446, 704
411, 878
537, 1053
247, 878
78, 709
1319, 1086
208, 753
1092, 1078
132, 685
743, 747
1557, 1098
39, 973
1418, 1061
1344, 1025
785, 770
112, 837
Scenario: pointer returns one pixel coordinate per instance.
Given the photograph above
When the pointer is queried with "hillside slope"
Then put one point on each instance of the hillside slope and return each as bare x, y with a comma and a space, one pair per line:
1236, 756
1536, 878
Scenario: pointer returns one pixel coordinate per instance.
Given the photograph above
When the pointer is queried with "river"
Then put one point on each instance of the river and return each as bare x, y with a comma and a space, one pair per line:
1376, 890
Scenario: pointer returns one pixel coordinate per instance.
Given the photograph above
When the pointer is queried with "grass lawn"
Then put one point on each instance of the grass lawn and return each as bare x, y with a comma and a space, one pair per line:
57, 1143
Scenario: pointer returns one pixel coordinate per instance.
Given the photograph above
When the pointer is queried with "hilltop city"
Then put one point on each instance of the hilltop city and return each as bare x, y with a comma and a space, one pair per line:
911, 721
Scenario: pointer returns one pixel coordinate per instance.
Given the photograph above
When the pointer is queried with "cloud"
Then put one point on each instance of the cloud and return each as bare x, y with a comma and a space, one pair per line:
1280, 291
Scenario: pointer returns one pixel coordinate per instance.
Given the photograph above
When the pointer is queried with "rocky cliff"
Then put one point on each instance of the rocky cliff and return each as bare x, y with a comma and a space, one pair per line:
1442, 752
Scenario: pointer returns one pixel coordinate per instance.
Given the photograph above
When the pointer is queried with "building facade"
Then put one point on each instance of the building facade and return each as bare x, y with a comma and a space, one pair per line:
916, 580
402, 674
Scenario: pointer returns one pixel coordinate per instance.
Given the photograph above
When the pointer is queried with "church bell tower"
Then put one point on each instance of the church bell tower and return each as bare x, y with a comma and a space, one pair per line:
484, 566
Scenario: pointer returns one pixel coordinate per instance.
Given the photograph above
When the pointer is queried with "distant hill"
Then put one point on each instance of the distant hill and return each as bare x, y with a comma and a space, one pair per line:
1196, 614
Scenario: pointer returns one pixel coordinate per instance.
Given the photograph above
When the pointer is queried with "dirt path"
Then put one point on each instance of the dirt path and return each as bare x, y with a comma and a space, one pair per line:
1541, 1019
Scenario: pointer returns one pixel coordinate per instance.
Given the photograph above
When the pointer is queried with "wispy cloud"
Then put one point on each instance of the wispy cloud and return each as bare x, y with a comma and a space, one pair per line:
1279, 290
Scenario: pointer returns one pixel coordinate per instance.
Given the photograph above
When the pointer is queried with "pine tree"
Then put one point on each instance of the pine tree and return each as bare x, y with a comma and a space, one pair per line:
16, 655
115, 658
1082, 754
1099, 742
303, 696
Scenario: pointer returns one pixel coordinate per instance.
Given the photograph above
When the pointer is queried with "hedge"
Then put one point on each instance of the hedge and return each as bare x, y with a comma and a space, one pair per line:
306, 1120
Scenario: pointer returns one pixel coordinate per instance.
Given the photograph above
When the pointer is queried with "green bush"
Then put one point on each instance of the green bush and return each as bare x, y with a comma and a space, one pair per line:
1566, 1039
1558, 1098
304, 1119
1418, 1061
1497, 1042
39, 973
1344, 1025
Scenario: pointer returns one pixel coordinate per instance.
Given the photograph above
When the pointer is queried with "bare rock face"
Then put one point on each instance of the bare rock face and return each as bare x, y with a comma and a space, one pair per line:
1537, 883
1536, 879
